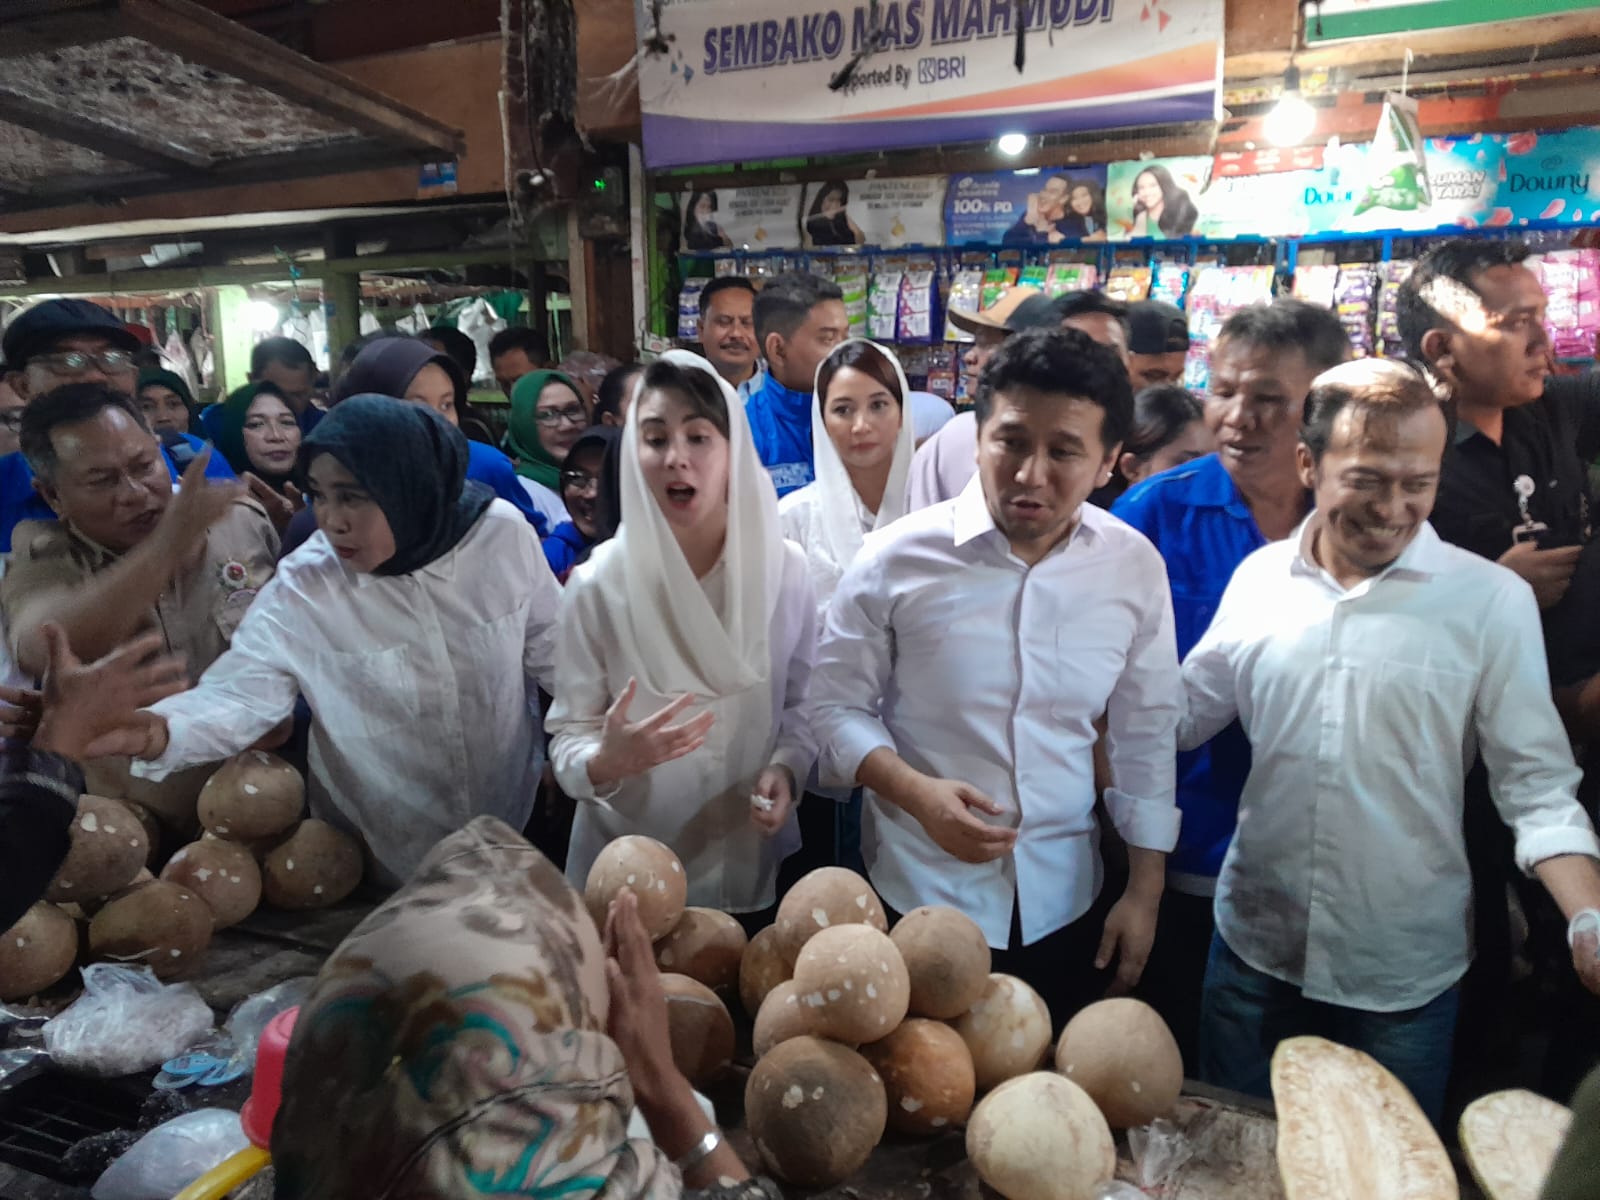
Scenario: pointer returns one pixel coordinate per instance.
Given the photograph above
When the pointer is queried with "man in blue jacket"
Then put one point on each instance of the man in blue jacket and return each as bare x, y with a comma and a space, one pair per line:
800, 318
55, 343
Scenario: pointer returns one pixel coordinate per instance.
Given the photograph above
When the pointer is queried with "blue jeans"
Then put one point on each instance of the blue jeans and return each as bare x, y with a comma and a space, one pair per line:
1245, 1013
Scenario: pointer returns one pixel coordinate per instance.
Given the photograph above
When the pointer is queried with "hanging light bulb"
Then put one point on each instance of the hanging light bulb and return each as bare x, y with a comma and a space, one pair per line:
1292, 119
1012, 144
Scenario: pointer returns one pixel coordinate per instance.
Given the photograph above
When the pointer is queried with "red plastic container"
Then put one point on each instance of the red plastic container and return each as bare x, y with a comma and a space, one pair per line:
266, 1091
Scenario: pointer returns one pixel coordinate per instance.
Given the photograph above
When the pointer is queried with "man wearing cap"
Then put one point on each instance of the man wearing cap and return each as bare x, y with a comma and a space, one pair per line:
1158, 343
54, 343
946, 463
124, 554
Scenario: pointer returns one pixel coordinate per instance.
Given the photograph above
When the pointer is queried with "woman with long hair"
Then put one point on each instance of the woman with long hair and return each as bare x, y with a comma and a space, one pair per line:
700, 228
1086, 210
697, 602
1160, 207
828, 223
1169, 430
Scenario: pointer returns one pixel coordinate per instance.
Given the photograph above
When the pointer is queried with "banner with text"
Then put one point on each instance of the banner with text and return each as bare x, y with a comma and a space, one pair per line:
748, 218
732, 80
1027, 208
887, 213
1549, 177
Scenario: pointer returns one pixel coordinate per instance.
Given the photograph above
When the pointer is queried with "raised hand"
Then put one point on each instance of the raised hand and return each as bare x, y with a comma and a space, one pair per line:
629, 748
91, 711
199, 504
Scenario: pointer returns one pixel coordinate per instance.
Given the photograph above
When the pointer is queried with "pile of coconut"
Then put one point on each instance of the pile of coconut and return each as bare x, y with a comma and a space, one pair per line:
105, 904
861, 1030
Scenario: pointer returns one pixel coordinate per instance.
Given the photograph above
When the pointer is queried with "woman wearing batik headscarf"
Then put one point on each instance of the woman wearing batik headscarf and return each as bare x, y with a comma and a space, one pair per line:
697, 604
472, 1038
416, 624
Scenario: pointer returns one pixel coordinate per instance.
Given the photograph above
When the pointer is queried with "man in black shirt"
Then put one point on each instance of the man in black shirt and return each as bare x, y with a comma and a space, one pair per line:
1514, 488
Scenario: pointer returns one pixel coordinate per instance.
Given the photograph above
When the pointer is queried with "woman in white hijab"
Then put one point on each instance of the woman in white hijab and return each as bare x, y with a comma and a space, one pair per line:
698, 602
863, 442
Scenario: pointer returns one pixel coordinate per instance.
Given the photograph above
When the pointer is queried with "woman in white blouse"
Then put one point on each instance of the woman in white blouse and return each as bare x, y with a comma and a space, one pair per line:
697, 603
415, 622
863, 445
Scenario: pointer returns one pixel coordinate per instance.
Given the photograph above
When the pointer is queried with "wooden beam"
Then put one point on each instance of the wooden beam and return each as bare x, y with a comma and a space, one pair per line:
123, 145
203, 37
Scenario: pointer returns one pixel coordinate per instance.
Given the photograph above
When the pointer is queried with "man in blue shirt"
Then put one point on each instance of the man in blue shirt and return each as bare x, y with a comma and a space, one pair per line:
1205, 518
52, 344
289, 367
800, 318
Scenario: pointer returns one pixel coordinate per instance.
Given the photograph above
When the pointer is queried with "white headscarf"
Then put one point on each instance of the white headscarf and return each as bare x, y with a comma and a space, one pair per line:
676, 641
842, 534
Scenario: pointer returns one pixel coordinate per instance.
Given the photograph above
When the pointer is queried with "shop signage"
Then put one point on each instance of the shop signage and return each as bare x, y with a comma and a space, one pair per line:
1550, 177
1027, 208
746, 219
1336, 20
887, 213
733, 80
1156, 198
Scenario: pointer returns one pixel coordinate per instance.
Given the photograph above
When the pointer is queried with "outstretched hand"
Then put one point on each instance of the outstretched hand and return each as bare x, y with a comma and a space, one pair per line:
281, 506
638, 1018
629, 748
90, 711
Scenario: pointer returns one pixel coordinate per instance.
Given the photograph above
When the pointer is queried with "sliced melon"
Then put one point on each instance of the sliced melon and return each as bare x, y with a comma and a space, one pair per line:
1348, 1128
1510, 1140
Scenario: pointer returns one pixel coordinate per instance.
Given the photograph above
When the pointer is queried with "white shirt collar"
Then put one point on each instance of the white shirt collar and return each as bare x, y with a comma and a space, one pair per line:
971, 519
1420, 560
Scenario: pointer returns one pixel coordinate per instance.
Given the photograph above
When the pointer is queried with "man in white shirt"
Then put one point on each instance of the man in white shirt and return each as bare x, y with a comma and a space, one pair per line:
1368, 660
970, 649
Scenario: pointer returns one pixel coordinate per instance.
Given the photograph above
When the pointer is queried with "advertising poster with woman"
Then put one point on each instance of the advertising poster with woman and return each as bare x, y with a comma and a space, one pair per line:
1027, 208
886, 213
751, 218
1157, 198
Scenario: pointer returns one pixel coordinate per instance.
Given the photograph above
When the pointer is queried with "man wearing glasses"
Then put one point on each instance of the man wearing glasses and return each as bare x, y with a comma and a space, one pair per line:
52, 344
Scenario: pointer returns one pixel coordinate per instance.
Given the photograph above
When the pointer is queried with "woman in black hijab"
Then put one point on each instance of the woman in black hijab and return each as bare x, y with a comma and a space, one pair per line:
422, 605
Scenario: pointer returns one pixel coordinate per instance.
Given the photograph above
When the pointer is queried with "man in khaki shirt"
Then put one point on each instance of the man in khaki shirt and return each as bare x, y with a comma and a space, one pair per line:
128, 555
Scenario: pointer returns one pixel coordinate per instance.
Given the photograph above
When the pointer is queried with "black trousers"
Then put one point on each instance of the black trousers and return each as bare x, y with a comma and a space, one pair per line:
1177, 968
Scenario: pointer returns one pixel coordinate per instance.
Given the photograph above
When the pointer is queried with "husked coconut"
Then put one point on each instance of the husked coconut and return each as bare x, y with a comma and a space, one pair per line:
927, 1075
1347, 1127
1121, 1052
816, 1110
1511, 1140
827, 897
946, 956
706, 945
1040, 1137
37, 951
782, 1017
854, 981
762, 968
152, 829
223, 874
108, 848
699, 1028
252, 795
162, 925
1007, 1031
647, 868
317, 866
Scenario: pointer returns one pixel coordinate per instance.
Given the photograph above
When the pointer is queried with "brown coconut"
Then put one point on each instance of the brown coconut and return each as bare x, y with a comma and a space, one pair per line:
1007, 1031
1122, 1053
699, 1029
782, 1017
162, 925
1347, 1127
1040, 1137
826, 897
223, 874
927, 1074
1510, 1140
816, 1110
706, 945
762, 968
251, 796
855, 982
947, 958
317, 866
108, 848
647, 868
152, 829
37, 951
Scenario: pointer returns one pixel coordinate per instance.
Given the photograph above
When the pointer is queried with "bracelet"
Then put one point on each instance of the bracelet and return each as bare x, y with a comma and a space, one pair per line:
1587, 921
699, 1152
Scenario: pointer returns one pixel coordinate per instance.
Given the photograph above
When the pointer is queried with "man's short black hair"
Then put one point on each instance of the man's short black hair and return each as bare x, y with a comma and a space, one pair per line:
1082, 304
723, 283
519, 337
1065, 362
786, 301
1289, 324
67, 405
1461, 260
463, 351
1383, 392
283, 352
614, 388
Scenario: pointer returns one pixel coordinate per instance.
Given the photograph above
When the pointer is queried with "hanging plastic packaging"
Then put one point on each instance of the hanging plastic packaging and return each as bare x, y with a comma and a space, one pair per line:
1397, 168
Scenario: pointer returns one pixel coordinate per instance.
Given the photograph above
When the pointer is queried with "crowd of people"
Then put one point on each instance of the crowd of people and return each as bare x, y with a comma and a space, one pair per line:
1271, 706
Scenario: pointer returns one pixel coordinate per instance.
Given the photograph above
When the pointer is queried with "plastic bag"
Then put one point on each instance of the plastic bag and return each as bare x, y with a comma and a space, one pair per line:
250, 1017
1397, 168
172, 1156
125, 1021
1117, 1190
1159, 1150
